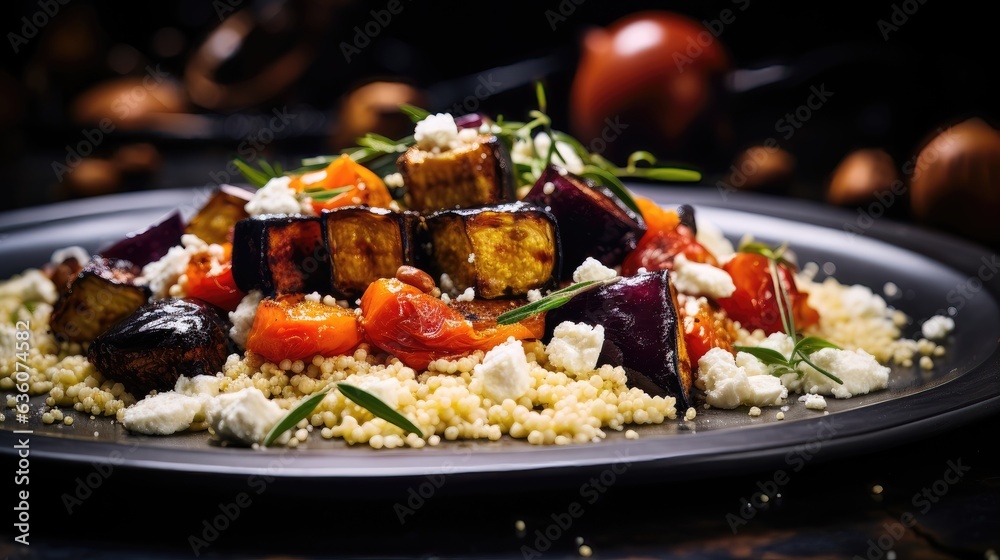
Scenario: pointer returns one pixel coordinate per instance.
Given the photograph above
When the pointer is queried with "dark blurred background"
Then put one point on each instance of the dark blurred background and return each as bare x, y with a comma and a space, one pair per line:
103, 97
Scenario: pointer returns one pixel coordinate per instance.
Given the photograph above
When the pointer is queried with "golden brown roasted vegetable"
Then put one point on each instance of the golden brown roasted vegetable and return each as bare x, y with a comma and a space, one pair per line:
367, 244
280, 254
502, 250
102, 294
476, 173
483, 313
216, 219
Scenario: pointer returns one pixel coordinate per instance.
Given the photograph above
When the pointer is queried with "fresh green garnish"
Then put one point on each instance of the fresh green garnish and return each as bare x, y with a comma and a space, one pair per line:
802, 348
258, 177
416, 114
359, 396
549, 302
322, 195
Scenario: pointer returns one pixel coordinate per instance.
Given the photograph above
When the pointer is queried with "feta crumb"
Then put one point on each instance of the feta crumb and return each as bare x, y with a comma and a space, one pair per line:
691, 414
393, 180
592, 269
860, 372
242, 318
472, 258
445, 297
754, 411
162, 275
813, 401
730, 381
534, 295
566, 156
245, 416
937, 327
385, 389
699, 279
436, 133
548, 188
504, 372
641, 270
277, 197
711, 237
198, 386
575, 347
75, 252
468, 295
162, 414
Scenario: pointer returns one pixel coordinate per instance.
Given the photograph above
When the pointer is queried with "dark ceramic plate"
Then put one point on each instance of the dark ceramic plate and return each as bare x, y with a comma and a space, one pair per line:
933, 272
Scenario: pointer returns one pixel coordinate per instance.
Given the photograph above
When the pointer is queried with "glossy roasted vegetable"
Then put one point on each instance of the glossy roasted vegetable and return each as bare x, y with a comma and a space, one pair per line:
209, 277
658, 249
501, 250
151, 244
642, 332
103, 293
366, 244
471, 175
419, 328
160, 342
483, 313
704, 328
293, 328
753, 303
343, 183
280, 254
592, 221
215, 221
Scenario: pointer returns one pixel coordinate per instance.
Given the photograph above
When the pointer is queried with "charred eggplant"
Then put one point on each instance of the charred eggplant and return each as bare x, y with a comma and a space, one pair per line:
642, 332
160, 342
366, 244
102, 294
476, 173
592, 221
151, 244
280, 254
501, 250
215, 221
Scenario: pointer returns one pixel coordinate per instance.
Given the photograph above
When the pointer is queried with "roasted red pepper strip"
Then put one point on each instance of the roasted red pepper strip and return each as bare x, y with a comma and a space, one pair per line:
210, 278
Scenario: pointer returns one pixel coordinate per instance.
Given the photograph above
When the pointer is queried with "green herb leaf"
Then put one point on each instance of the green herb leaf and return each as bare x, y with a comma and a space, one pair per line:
322, 195
381, 143
378, 407
811, 344
764, 250
295, 415
549, 302
31, 306
540, 96
671, 174
256, 177
612, 182
768, 356
783, 301
637, 157
416, 114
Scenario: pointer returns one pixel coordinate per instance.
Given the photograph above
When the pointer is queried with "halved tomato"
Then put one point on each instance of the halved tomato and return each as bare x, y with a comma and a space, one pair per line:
292, 327
753, 303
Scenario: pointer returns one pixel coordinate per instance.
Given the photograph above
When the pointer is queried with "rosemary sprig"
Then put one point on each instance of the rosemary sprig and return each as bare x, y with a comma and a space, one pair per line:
322, 195
551, 301
416, 114
258, 177
362, 398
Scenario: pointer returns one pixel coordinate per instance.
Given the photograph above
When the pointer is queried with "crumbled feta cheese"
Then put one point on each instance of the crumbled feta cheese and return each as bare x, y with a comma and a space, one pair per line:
242, 318
467, 135
472, 258
711, 238
245, 416
468, 295
548, 188
393, 180
534, 295
277, 197
813, 401
199, 385
641, 270
32, 285
436, 133
162, 275
860, 372
699, 279
860, 301
314, 297
75, 252
566, 157
937, 327
387, 390
730, 382
592, 269
575, 347
162, 414
445, 297
504, 372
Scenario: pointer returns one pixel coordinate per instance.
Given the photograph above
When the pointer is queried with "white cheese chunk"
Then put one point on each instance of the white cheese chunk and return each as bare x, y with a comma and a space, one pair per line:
860, 372
162, 414
813, 401
393, 180
937, 327
699, 279
242, 318
468, 295
504, 372
199, 385
534, 295
436, 133
730, 382
277, 197
592, 269
385, 389
244, 417
711, 238
575, 347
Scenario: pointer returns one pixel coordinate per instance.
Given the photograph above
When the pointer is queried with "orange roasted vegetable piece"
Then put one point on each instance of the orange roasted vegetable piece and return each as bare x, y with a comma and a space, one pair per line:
210, 278
419, 328
656, 217
291, 327
365, 186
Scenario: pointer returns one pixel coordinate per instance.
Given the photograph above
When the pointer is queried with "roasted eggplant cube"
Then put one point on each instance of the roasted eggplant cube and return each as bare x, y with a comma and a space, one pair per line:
366, 244
593, 222
642, 332
103, 293
280, 254
215, 221
151, 244
501, 250
160, 342
475, 174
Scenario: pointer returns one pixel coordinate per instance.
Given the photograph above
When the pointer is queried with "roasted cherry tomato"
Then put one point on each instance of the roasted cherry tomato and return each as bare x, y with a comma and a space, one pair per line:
210, 278
292, 327
360, 184
704, 330
657, 250
419, 328
753, 303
